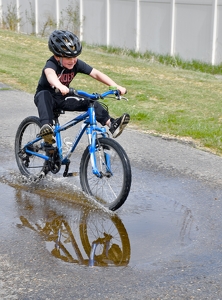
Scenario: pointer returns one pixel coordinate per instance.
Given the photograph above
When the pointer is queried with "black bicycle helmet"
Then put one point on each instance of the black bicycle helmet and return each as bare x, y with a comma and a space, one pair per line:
64, 43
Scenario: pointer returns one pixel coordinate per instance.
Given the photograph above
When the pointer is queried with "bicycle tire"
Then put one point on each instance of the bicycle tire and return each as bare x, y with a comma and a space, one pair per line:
110, 191
27, 131
94, 228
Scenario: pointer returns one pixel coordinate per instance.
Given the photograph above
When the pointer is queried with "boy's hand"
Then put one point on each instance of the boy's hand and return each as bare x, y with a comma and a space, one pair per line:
121, 89
63, 89
54, 81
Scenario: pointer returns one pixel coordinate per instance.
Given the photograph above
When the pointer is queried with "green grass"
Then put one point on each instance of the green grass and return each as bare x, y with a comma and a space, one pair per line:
167, 96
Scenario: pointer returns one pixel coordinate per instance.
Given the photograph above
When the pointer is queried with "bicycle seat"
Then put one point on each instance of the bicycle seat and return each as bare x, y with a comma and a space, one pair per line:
57, 112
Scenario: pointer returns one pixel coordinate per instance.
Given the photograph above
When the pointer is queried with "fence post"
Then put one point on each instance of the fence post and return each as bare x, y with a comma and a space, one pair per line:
172, 42
36, 18
214, 39
81, 18
137, 25
1, 13
107, 23
18, 15
57, 14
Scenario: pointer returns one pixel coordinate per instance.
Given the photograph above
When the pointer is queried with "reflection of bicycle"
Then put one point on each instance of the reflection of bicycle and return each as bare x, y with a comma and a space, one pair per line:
105, 171
104, 239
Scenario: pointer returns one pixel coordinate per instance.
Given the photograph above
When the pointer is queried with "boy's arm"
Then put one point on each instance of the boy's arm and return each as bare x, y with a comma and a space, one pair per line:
96, 74
54, 81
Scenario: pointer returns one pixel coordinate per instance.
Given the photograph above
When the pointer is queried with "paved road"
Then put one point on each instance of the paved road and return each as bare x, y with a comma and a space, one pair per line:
165, 268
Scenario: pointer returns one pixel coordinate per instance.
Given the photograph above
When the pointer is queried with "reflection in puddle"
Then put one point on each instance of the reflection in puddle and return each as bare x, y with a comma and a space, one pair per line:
76, 236
76, 230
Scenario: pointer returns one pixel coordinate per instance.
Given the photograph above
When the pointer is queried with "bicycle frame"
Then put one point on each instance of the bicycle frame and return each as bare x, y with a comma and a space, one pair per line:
102, 158
91, 129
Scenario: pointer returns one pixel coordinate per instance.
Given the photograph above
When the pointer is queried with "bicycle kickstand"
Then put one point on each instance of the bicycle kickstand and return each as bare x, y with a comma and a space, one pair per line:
66, 171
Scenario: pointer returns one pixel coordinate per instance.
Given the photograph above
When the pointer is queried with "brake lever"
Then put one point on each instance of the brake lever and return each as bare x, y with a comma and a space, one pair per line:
124, 98
121, 98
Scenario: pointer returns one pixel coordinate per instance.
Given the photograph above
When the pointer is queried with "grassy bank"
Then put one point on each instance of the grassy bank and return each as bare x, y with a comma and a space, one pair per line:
164, 99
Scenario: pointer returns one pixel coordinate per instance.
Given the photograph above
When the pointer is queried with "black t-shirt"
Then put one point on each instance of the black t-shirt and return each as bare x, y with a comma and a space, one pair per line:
65, 75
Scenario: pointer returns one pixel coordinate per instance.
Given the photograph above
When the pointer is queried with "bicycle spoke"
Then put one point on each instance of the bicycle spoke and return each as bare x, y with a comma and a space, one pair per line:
29, 165
112, 188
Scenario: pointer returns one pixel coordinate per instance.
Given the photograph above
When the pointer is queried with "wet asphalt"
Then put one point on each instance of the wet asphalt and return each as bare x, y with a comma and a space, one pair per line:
169, 228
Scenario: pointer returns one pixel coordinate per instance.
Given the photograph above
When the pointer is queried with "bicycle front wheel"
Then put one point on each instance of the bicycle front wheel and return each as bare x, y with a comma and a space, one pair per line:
109, 236
112, 188
29, 165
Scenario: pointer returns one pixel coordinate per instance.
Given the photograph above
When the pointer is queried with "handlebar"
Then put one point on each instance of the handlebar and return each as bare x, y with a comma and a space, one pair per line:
96, 96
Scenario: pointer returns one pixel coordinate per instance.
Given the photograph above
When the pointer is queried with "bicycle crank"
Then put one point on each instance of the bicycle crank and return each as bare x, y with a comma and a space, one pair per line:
54, 163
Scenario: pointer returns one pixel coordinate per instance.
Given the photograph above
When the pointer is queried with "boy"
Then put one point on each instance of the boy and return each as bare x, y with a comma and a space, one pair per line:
53, 86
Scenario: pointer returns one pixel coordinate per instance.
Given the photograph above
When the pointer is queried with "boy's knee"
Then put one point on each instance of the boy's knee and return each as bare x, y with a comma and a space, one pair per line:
42, 96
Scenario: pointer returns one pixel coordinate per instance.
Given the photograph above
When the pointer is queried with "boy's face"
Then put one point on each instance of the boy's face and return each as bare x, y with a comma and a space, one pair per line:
67, 62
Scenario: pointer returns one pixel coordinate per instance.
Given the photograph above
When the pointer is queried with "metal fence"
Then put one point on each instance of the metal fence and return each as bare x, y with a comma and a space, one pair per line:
191, 29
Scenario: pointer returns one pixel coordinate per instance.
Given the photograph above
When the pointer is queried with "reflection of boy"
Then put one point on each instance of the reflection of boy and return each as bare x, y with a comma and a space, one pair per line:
53, 86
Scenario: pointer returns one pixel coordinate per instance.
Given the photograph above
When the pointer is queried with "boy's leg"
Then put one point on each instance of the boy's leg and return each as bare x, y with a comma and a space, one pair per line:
102, 116
116, 126
44, 102
71, 104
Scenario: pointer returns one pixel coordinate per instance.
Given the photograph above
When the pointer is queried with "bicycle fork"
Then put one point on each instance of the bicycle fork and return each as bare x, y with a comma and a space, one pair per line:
103, 159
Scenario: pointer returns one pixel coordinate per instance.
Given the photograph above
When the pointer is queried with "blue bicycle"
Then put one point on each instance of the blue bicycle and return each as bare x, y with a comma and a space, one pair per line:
105, 171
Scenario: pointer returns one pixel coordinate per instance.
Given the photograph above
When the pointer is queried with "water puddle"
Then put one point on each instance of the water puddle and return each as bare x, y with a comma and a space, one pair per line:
77, 230
75, 234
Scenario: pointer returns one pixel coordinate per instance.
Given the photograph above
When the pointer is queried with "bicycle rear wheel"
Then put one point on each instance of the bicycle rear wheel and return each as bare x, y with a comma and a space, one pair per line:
29, 165
112, 189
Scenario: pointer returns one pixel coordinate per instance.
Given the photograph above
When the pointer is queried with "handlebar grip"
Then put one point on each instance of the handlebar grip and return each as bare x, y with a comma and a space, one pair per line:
113, 88
72, 91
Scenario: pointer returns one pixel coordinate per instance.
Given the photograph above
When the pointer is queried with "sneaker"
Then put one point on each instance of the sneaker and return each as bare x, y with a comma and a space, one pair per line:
117, 125
46, 132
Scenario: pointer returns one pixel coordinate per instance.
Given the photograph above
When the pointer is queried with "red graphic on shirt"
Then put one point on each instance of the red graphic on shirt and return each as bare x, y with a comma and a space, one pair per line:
66, 78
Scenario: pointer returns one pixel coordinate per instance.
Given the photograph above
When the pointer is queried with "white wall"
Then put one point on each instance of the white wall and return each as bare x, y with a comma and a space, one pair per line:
191, 29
